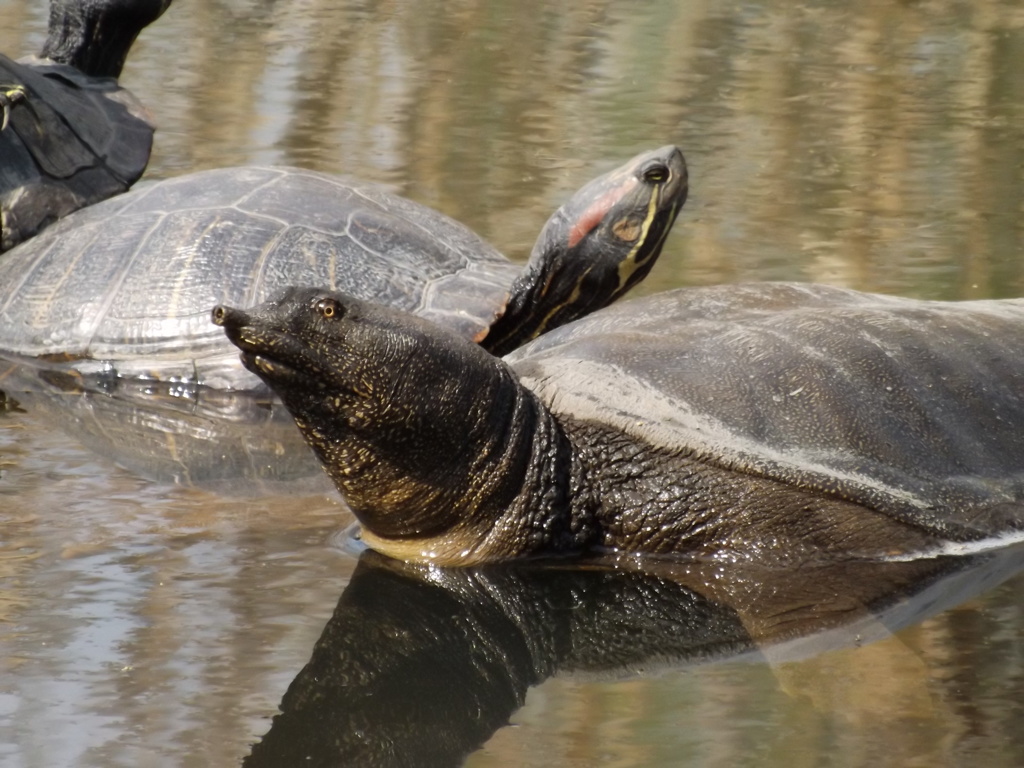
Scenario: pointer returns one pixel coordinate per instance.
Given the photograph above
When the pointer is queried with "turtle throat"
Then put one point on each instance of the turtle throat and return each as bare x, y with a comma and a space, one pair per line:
475, 471
435, 445
517, 321
556, 286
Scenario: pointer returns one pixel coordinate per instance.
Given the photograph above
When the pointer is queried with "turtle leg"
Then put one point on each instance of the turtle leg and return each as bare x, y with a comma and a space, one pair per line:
9, 96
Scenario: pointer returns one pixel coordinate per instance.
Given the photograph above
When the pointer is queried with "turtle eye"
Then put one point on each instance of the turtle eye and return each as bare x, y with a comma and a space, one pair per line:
656, 173
329, 309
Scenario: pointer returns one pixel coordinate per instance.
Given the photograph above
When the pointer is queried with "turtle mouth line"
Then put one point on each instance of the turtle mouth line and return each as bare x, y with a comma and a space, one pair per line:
289, 379
271, 368
261, 355
264, 366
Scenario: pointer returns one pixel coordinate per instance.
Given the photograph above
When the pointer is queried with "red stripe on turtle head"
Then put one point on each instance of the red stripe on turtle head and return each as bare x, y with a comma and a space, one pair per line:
594, 214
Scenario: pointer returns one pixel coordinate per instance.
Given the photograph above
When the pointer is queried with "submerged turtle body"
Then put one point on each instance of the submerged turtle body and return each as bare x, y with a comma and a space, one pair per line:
770, 421
126, 286
71, 135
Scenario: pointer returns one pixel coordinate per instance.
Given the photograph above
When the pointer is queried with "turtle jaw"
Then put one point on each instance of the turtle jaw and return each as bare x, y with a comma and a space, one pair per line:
271, 354
267, 369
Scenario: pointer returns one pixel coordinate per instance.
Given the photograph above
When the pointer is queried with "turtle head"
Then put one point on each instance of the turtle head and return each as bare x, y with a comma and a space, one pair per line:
594, 248
400, 412
94, 36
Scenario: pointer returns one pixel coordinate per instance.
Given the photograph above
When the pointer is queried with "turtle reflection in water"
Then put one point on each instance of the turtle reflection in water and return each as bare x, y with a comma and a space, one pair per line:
69, 135
420, 665
774, 422
124, 288
229, 443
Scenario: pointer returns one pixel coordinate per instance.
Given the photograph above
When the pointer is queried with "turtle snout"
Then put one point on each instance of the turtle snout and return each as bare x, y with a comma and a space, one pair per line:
242, 329
229, 317
237, 324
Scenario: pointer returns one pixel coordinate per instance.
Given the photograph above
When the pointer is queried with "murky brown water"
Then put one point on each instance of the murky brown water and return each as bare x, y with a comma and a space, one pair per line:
878, 145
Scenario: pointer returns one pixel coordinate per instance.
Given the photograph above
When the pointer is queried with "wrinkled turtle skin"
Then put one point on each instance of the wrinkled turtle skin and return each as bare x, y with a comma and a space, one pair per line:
125, 287
71, 135
771, 422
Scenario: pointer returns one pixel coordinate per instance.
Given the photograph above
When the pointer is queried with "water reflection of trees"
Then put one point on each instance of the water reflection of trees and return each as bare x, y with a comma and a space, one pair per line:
420, 665
876, 145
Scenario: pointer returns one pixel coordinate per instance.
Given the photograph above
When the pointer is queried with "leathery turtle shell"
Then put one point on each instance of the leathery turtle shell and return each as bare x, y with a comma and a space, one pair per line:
913, 407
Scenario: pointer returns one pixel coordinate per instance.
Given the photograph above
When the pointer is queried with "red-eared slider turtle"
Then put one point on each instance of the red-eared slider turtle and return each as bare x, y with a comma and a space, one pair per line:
766, 421
70, 135
126, 286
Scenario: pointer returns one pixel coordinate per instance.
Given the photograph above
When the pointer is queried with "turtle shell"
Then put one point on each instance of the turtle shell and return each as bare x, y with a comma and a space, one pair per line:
71, 141
126, 286
911, 407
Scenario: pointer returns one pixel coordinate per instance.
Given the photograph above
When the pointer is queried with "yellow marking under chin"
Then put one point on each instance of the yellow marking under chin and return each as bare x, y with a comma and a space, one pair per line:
576, 293
442, 550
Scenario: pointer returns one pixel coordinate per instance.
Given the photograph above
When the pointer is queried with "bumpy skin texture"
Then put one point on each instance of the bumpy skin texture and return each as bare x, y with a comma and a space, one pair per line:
73, 137
409, 443
911, 408
669, 502
773, 422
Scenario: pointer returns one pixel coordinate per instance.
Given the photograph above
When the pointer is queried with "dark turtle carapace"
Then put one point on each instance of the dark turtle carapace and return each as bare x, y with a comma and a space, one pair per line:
70, 136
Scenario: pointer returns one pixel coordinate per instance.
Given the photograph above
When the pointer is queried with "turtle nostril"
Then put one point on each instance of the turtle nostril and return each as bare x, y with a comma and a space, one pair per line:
228, 317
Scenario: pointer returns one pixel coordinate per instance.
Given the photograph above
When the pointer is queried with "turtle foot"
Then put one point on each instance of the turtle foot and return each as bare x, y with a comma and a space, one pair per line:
9, 96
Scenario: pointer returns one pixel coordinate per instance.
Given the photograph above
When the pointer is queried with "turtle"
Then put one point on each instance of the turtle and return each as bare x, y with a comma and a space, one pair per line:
775, 422
124, 288
69, 134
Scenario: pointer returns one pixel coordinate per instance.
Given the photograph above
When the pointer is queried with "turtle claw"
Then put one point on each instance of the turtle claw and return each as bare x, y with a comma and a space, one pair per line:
9, 96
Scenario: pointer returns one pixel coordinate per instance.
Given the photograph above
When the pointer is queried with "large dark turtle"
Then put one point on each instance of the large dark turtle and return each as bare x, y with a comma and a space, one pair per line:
71, 136
125, 287
766, 421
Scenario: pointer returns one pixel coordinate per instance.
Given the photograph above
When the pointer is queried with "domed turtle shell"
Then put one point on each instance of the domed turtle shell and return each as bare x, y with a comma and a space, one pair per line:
126, 286
767, 421
71, 136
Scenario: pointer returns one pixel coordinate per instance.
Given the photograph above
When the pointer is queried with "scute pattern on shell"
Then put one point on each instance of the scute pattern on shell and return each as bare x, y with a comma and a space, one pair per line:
134, 278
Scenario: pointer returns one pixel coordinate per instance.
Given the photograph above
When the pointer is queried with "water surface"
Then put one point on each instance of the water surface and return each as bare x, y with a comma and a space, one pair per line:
878, 146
